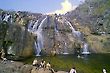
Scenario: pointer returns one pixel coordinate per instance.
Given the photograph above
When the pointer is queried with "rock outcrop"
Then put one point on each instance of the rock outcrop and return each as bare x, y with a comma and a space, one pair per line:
18, 67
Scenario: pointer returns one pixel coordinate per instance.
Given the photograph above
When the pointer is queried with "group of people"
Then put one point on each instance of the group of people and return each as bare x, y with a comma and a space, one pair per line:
42, 64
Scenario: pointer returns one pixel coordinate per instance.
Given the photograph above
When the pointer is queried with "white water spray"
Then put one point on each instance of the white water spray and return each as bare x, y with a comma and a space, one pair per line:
65, 49
85, 49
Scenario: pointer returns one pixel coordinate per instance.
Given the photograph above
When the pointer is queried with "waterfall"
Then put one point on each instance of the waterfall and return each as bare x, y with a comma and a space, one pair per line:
39, 40
36, 29
75, 33
65, 48
35, 26
78, 35
30, 26
56, 25
10, 50
38, 47
85, 49
7, 16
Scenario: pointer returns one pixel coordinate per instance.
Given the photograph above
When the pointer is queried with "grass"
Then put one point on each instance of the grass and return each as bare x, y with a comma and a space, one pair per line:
97, 43
102, 8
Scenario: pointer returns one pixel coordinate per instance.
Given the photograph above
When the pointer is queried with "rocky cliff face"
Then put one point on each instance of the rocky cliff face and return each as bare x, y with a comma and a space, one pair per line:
24, 31
17, 41
56, 35
27, 33
15, 38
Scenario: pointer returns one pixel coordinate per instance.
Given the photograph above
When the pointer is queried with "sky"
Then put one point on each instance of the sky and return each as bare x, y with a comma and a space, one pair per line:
40, 6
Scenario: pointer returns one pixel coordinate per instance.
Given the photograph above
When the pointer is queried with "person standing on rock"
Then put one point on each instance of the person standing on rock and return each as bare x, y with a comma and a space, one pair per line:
35, 62
3, 55
73, 70
43, 64
48, 66
104, 70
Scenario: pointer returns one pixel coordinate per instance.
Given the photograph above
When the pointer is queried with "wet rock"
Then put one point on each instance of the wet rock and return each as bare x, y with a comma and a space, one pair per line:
21, 42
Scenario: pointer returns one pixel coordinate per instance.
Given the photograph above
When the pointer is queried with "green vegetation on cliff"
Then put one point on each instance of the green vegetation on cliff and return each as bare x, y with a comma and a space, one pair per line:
94, 15
14, 37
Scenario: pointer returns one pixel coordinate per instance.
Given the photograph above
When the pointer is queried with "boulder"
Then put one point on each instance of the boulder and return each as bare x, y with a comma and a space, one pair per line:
10, 67
41, 70
26, 69
20, 42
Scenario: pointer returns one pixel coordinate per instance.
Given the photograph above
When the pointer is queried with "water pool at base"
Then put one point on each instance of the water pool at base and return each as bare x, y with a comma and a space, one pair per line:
93, 63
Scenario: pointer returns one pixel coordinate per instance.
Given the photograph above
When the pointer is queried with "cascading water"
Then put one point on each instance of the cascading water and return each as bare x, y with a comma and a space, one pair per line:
75, 33
10, 50
56, 25
85, 49
7, 16
35, 26
30, 26
78, 35
36, 29
65, 48
39, 41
